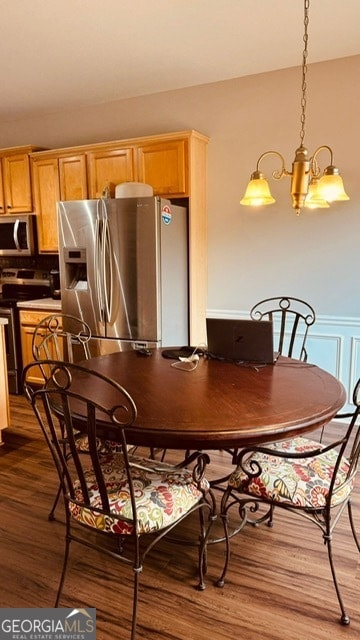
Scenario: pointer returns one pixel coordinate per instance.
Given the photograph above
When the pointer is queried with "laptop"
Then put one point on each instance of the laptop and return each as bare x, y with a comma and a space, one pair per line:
241, 340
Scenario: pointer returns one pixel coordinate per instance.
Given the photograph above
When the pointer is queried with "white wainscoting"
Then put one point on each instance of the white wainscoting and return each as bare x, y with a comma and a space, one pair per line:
333, 344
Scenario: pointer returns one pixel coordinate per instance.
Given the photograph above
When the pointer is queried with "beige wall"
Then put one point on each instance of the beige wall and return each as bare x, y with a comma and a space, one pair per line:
252, 253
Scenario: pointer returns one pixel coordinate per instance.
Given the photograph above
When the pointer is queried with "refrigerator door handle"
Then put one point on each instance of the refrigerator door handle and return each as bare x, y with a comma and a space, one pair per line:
112, 280
107, 271
98, 262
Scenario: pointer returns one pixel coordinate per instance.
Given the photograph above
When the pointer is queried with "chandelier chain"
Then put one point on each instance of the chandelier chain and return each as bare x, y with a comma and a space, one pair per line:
304, 71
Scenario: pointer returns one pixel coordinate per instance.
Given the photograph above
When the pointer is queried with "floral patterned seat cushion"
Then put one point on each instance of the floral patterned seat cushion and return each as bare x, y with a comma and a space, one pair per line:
302, 482
162, 497
104, 447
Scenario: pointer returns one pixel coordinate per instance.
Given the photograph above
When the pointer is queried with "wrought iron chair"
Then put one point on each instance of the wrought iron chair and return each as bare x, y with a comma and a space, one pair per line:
300, 476
292, 318
132, 500
61, 337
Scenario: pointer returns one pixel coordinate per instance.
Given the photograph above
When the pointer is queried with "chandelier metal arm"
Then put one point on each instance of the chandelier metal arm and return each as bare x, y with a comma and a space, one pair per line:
315, 169
276, 174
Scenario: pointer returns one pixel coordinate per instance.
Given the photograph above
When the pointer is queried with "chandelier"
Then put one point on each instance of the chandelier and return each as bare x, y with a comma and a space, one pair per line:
308, 187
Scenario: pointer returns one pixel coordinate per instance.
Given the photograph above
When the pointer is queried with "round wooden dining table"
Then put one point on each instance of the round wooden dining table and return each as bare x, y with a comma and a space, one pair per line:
220, 404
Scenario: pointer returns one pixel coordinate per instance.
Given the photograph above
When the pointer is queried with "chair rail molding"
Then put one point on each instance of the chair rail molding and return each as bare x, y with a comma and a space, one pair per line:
333, 343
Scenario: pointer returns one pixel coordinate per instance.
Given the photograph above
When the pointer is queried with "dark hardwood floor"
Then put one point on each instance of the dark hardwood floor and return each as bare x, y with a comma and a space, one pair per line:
279, 585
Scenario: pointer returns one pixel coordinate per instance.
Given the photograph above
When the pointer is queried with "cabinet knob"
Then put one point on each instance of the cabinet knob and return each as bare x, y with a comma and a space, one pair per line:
9, 206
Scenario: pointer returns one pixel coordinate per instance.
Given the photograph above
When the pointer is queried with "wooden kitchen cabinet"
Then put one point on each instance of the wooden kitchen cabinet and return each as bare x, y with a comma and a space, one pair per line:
29, 320
73, 177
16, 192
55, 178
2, 200
45, 172
108, 167
161, 164
164, 166
17, 183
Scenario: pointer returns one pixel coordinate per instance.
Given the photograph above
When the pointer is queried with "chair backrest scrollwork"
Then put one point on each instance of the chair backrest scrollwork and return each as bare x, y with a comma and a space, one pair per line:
292, 318
61, 337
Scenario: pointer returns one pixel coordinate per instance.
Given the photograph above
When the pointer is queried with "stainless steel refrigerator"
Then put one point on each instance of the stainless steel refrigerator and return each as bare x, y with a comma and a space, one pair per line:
124, 270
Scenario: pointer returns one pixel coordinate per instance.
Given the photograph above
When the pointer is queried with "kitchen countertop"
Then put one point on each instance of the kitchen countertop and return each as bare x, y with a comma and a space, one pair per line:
42, 303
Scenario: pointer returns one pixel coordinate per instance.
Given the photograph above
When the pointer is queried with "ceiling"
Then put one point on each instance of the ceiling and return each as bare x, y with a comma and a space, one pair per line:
64, 54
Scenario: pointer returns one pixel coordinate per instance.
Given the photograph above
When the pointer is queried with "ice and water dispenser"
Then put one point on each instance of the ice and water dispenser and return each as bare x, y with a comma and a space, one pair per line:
75, 265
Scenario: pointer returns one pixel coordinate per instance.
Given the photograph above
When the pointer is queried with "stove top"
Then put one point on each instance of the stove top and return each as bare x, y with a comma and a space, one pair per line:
27, 277
23, 284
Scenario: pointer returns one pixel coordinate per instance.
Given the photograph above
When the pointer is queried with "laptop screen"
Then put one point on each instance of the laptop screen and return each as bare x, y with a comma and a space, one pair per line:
241, 340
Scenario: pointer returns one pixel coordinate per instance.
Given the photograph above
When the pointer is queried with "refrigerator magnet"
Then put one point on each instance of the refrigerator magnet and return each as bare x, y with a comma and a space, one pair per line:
166, 214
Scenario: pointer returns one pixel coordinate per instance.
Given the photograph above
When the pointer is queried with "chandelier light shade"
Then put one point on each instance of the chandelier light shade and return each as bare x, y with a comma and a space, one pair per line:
314, 199
331, 186
258, 191
310, 188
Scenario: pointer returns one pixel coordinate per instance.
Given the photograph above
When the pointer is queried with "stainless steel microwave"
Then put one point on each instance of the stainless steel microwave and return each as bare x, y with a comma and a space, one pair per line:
17, 235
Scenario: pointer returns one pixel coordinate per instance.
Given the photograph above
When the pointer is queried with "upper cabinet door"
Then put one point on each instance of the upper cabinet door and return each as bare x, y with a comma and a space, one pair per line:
17, 183
107, 168
163, 166
46, 195
73, 179
2, 201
